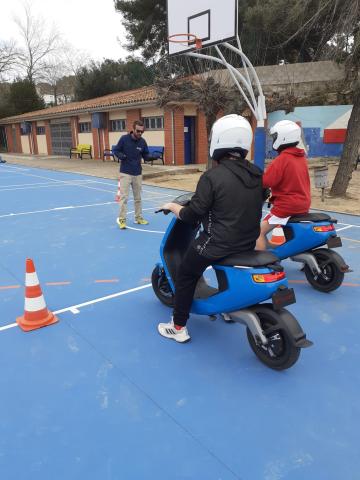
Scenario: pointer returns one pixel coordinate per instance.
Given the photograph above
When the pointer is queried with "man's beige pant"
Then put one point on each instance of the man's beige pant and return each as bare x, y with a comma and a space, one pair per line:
125, 181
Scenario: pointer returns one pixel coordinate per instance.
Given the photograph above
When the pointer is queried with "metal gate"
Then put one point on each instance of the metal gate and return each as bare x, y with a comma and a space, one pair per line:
61, 139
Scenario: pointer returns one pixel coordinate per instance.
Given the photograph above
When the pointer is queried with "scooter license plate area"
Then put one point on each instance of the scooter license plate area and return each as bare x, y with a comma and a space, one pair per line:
334, 242
283, 297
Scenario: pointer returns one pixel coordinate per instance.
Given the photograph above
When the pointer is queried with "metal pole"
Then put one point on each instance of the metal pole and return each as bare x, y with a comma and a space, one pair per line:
173, 136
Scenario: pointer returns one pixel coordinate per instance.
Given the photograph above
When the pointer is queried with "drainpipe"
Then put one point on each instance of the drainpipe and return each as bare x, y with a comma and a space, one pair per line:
173, 136
98, 131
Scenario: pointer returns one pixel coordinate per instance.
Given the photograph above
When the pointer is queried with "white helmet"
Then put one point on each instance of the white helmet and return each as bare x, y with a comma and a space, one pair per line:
284, 133
230, 133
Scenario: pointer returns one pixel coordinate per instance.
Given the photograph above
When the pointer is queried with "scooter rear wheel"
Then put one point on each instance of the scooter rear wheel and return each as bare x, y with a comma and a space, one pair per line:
331, 276
280, 353
162, 287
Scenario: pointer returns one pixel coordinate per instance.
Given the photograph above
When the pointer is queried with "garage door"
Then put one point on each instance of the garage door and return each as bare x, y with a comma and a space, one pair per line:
61, 140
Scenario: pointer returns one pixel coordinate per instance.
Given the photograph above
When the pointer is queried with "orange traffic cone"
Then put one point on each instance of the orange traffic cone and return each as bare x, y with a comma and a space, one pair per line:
278, 237
117, 196
36, 314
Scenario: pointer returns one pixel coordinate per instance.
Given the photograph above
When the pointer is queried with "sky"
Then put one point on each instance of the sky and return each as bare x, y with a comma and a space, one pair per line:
92, 26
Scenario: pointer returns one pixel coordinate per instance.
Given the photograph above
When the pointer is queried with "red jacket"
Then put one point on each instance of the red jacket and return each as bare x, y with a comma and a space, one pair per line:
288, 178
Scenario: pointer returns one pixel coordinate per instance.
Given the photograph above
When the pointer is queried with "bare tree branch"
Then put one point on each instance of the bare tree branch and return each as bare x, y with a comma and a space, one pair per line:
8, 56
39, 43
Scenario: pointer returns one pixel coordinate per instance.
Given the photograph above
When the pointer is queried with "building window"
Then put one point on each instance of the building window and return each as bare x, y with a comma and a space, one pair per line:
118, 125
84, 127
154, 123
40, 130
25, 128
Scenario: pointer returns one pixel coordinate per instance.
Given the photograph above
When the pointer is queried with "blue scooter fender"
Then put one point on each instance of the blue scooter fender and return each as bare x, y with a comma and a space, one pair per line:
288, 323
336, 258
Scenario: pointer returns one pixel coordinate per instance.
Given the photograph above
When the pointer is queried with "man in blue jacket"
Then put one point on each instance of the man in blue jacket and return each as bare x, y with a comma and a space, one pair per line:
130, 149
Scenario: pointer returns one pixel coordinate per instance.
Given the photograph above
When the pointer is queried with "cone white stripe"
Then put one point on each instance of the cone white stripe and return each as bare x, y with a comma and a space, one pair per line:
31, 279
34, 304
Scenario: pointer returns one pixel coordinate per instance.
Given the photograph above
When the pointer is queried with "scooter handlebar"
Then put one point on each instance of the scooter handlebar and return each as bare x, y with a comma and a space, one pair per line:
164, 211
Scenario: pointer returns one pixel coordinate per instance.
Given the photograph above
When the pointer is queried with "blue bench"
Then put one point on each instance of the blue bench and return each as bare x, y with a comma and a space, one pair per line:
156, 153
109, 152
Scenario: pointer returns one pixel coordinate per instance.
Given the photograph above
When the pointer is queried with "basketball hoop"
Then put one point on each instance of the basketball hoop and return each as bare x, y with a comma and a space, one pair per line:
186, 39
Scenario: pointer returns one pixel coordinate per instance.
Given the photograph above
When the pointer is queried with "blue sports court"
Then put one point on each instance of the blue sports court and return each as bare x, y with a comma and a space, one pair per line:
101, 395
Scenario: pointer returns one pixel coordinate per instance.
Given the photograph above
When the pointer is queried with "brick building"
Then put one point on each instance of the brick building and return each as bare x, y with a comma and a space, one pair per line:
101, 121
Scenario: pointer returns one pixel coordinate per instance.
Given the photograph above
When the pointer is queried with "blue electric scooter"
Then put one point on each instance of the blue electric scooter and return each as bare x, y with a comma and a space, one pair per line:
244, 281
305, 236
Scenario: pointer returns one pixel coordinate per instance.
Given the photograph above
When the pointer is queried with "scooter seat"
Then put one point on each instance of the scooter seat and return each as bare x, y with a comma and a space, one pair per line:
310, 217
253, 258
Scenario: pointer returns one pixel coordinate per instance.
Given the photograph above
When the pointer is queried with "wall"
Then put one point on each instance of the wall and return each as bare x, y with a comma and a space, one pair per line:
117, 115
155, 137
86, 138
152, 112
317, 122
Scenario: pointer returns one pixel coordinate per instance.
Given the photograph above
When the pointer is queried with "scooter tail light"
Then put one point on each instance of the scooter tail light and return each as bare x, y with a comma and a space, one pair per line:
324, 228
268, 277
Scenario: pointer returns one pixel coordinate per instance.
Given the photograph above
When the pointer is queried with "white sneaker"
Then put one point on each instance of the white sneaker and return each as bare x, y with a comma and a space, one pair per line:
168, 330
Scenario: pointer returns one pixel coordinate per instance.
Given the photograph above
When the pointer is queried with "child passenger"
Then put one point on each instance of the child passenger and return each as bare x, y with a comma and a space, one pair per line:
288, 178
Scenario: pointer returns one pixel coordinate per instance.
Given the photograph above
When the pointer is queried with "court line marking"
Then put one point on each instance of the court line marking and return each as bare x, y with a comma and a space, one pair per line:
350, 239
345, 228
83, 180
68, 207
3, 187
75, 308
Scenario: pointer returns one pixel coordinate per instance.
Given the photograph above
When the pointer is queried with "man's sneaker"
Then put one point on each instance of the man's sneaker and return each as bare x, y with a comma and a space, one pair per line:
141, 221
168, 330
121, 222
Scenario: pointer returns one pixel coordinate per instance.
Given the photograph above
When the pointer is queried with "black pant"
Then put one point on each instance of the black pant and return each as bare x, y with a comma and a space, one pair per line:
192, 267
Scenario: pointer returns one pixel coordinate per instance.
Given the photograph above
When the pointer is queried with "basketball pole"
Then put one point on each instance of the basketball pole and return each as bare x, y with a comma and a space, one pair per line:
257, 107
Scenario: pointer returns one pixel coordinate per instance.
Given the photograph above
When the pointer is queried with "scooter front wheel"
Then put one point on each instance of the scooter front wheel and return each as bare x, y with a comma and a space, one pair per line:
331, 277
280, 353
161, 286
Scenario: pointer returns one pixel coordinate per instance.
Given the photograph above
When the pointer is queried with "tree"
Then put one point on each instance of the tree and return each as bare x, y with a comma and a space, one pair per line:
39, 43
146, 25
338, 25
111, 76
8, 57
21, 97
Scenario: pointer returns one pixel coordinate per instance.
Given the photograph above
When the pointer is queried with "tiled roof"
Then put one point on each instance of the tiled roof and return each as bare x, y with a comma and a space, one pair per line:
137, 96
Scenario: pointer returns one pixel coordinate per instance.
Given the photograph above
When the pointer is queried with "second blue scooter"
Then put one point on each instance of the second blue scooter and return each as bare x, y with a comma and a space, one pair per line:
310, 240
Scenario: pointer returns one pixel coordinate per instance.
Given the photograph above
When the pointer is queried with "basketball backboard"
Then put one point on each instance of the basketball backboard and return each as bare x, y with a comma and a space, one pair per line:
213, 21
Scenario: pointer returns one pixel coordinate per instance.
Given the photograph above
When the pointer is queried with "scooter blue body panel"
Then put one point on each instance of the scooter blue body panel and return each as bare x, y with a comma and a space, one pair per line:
242, 291
302, 238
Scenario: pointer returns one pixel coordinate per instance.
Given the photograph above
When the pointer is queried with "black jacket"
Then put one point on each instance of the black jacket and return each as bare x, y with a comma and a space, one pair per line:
228, 202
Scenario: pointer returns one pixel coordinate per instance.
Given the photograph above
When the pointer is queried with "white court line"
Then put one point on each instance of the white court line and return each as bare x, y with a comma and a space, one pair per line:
346, 228
144, 230
15, 168
56, 209
52, 185
63, 182
75, 308
68, 207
